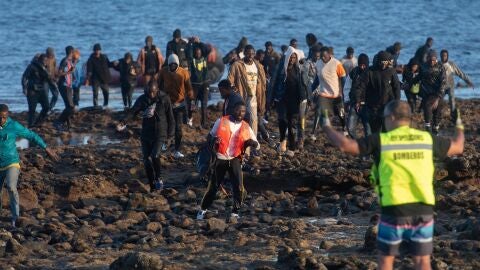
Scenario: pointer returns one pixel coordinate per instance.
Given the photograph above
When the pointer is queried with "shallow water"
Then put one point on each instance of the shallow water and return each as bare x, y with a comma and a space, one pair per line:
28, 27
75, 139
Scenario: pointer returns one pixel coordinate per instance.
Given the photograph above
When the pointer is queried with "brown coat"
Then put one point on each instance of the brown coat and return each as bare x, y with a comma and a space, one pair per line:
237, 76
176, 84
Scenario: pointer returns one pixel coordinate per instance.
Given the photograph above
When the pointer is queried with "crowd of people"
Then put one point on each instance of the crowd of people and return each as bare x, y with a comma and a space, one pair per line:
258, 81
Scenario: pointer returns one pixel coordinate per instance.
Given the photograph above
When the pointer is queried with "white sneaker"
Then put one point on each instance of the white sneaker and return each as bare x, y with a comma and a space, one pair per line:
177, 154
313, 137
190, 122
201, 214
345, 133
234, 215
265, 121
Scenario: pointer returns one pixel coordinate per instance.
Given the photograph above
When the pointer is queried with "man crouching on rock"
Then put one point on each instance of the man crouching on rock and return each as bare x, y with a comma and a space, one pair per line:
232, 136
157, 128
10, 130
403, 174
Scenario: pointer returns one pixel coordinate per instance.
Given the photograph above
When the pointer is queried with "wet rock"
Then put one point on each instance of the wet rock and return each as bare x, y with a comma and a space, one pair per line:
137, 187
138, 260
370, 239
241, 240
265, 218
175, 233
289, 258
438, 264
190, 195
3, 246
14, 247
80, 246
100, 203
215, 225
154, 227
326, 244
105, 240
466, 245
147, 203
64, 246
312, 203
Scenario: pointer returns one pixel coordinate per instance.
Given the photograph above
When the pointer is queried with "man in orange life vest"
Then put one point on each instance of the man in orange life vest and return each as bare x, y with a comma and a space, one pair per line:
232, 136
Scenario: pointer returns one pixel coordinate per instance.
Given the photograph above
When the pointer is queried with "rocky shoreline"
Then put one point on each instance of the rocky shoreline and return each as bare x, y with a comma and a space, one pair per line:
315, 210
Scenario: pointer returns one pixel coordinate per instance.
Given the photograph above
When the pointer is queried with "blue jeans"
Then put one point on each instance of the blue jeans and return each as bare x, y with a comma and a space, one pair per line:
9, 178
353, 117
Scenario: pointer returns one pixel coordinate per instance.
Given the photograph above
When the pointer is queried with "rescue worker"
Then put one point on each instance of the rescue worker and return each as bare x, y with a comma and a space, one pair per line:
150, 60
157, 128
232, 136
403, 175
10, 131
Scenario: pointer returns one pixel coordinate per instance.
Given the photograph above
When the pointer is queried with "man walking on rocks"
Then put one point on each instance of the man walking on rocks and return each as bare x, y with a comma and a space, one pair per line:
232, 136
10, 131
403, 174
157, 128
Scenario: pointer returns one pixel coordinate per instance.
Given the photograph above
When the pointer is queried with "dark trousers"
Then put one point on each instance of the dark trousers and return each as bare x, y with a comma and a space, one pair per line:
432, 115
67, 96
201, 91
127, 93
234, 169
178, 114
352, 121
286, 121
33, 98
54, 99
262, 130
333, 105
76, 95
151, 150
105, 90
375, 119
412, 100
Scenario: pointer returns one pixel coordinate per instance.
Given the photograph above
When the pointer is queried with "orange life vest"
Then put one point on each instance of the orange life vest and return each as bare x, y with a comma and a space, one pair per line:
224, 134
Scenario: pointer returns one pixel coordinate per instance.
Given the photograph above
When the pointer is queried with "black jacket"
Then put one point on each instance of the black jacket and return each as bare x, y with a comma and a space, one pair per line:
379, 86
355, 75
98, 67
433, 80
161, 125
36, 78
180, 49
128, 71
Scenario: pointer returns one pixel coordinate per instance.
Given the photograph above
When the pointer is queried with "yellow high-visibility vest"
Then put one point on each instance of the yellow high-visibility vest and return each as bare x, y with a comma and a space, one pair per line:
406, 170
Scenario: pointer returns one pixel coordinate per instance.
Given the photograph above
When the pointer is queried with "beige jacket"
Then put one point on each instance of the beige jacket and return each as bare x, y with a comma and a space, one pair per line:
237, 76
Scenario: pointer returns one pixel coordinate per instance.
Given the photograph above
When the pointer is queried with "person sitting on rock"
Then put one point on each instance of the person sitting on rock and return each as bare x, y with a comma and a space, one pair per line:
10, 130
232, 136
157, 128
403, 174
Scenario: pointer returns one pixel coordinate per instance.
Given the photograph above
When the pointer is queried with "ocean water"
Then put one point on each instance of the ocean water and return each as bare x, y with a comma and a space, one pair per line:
29, 27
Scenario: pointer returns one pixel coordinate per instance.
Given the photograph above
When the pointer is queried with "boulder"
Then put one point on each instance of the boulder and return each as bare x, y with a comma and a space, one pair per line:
138, 260
215, 225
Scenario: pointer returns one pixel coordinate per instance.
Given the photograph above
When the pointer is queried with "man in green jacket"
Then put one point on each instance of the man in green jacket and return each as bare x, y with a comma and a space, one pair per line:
10, 130
403, 174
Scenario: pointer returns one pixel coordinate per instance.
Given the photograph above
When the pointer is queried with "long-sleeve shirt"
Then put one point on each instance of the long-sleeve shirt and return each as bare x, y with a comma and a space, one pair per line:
379, 86
433, 80
451, 69
9, 133
176, 84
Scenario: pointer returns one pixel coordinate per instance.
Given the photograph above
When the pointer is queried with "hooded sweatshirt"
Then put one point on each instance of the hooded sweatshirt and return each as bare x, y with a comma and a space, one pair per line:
452, 69
177, 83
280, 86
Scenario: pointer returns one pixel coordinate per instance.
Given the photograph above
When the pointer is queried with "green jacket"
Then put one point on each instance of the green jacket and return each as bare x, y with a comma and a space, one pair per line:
9, 133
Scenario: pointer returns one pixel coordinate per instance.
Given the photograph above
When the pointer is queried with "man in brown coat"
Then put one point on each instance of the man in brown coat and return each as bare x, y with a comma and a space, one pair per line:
247, 75
175, 81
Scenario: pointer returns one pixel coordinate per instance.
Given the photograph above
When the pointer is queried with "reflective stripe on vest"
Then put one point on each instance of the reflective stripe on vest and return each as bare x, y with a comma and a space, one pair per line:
224, 134
405, 171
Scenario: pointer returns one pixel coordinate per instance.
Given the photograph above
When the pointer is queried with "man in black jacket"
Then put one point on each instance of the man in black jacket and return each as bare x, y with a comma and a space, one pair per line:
128, 77
157, 128
35, 83
357, 100
433, 83
98, 74
422, 52
178, 46
380, 85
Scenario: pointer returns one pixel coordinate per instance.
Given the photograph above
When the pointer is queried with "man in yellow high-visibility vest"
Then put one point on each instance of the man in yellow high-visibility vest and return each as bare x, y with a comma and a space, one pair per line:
403, 174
